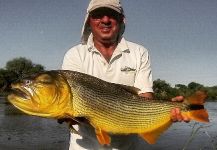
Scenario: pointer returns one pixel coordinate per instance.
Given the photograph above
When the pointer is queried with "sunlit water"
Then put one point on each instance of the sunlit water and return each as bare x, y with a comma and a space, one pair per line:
23, 132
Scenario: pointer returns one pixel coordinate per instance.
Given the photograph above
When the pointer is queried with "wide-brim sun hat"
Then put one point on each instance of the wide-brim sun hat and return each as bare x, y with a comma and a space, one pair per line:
94, 4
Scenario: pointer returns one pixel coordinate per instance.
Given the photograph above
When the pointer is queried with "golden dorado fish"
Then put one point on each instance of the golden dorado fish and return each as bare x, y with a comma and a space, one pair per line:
110, 108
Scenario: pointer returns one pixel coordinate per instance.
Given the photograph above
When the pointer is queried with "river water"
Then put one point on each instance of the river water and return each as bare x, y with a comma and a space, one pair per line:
23, 132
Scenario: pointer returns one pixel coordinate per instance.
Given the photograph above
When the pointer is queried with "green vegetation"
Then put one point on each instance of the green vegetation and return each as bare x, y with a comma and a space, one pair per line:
15, 70
21, 67
163, 90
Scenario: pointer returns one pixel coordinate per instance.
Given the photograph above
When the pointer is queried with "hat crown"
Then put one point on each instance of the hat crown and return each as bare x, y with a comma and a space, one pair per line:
113, 4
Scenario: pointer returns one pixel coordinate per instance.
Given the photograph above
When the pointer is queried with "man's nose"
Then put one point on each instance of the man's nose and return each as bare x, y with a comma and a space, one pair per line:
105, 19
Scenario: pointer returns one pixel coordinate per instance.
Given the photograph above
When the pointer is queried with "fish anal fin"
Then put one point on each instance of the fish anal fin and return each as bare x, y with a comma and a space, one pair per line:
152, 136
197, 115
149, 137
102, 137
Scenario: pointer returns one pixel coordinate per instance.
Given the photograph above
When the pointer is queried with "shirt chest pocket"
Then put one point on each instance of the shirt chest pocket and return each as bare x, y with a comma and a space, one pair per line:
127, 75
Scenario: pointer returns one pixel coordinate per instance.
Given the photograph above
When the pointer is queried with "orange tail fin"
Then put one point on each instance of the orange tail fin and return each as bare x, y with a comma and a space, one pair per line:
199, 115
198, 98
196, 102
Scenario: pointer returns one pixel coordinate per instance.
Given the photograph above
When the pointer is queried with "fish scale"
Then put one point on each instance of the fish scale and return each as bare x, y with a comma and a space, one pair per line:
102, 108
109, 107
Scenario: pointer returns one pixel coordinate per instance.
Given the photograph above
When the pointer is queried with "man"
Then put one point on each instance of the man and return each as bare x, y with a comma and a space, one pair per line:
105, 54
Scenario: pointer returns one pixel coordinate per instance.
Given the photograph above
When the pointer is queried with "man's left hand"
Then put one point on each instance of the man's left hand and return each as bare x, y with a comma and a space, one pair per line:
176, 113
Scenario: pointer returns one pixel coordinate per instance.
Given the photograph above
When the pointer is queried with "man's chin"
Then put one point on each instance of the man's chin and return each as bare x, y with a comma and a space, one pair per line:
108, 38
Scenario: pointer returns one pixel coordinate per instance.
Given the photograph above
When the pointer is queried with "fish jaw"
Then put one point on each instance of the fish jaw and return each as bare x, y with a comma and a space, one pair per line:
21, 98
21, 103
28, 106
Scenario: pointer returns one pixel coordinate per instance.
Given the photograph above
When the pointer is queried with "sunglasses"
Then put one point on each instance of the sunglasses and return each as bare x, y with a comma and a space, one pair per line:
101, 12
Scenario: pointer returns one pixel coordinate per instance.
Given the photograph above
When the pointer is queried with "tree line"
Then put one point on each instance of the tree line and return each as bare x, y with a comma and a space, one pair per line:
15, 69
18, 68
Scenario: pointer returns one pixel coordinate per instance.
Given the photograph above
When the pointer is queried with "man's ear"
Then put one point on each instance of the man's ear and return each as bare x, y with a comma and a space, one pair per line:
88, 20
122, 19
88, 24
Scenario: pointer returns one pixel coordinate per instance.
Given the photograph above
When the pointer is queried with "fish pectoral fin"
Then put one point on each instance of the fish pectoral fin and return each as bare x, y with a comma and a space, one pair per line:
152, 136
102, 137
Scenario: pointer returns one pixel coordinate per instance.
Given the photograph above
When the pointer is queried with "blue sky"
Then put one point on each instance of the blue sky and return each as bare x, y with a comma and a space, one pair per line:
181, 35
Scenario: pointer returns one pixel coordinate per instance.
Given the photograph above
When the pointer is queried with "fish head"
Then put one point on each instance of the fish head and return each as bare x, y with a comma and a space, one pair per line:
45, 94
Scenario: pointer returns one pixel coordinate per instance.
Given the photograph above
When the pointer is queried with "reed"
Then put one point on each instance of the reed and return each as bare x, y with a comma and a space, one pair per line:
195, 129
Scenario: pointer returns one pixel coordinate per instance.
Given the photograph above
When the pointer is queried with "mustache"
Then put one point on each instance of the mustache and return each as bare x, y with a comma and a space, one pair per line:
104, 25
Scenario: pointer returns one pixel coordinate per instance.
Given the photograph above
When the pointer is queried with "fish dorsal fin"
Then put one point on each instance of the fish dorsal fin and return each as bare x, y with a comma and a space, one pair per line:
102, 137
198, 98
130, 89
152, 136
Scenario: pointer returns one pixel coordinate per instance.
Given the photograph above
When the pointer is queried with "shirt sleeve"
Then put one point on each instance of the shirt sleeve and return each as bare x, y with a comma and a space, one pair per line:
72, 60
143, 79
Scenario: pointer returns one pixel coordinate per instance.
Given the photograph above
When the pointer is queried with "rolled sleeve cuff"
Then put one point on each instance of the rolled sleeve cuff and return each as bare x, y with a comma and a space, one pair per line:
146, 90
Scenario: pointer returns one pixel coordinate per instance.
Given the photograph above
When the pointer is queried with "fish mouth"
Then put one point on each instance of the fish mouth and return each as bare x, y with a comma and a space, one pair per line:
20, 93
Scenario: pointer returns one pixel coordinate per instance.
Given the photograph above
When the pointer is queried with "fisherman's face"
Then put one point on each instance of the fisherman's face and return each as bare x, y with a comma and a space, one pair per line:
105, 24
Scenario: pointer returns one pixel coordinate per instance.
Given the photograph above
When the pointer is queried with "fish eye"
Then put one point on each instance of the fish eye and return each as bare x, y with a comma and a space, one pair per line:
27, 82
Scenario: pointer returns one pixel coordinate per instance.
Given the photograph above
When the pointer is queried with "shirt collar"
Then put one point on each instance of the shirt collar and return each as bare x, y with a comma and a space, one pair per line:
122, 45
